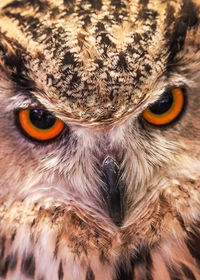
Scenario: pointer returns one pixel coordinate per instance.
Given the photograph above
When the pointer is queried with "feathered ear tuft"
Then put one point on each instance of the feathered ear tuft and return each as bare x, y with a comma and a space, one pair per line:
13, 65
186, 21
10, 59
6, 51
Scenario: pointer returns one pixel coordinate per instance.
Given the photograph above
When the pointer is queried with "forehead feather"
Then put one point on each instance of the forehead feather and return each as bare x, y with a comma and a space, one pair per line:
95, 59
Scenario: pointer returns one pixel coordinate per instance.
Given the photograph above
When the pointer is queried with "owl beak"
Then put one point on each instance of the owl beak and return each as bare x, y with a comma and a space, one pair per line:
113, 193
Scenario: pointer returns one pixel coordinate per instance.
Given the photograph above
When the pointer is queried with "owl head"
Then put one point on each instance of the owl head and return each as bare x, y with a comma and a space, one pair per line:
100, 107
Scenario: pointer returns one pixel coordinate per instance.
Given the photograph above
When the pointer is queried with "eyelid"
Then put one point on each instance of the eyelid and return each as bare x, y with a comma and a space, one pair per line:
22, 101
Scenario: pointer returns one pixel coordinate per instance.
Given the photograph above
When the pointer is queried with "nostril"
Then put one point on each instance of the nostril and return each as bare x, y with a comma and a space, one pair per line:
113, 192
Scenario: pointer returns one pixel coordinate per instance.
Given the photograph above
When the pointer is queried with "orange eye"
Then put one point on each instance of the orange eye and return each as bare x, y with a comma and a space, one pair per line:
40, 124
167, 109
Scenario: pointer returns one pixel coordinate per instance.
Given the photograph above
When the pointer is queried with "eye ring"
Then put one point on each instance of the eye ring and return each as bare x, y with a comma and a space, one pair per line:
41, 130
174, 110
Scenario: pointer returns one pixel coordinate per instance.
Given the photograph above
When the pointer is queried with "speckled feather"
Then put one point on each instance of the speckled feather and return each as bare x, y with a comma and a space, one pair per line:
99, 55
97, 65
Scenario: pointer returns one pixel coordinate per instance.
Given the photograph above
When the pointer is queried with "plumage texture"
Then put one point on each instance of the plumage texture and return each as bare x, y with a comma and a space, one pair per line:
112, 197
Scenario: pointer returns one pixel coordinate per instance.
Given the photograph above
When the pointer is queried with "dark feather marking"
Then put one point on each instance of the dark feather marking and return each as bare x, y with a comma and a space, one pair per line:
100, 27
102, 257
124, 270
90, 274
42, 6
2, 246
60, 272
75, 81
96, 4
122, 63
4, 267
144, 2
120, 10
13, 236
193, 243
192, 240
12, 261
181, 222
28, 265
146, 14
68, 2
9, 263
178, 273
14, 4
16, 64
143, 258
69, 59
187, 272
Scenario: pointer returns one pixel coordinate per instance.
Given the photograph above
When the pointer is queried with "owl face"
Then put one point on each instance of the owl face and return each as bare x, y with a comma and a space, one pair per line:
100, 109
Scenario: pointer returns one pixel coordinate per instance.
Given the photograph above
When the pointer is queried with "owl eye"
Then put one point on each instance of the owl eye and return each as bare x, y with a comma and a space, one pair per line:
167, 109
40, 124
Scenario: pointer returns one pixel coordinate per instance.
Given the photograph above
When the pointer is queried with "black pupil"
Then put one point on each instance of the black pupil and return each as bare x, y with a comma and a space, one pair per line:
163, 105
42, 119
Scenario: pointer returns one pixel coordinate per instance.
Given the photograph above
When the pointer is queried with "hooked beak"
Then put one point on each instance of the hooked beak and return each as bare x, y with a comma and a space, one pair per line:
113, 194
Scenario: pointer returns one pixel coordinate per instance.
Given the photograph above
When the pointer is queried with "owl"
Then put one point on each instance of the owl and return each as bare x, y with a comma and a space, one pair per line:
100, 139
